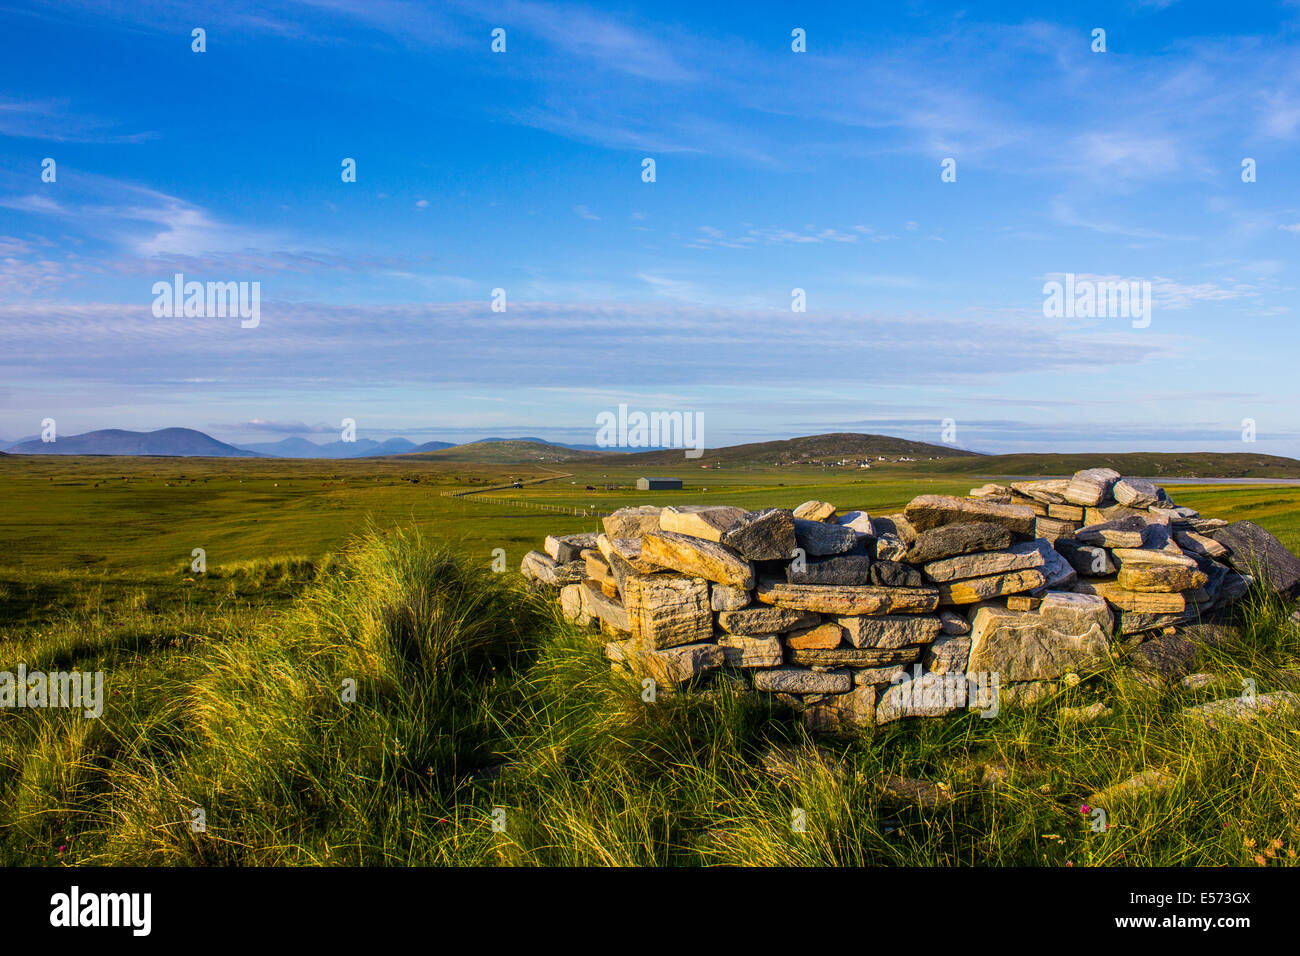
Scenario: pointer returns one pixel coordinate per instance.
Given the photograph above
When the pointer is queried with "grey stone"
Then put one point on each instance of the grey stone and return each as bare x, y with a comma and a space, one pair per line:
931, 511
1130, 532
889, 631
949, 540
1169, 656
724, 597
895, 574
948, 654
1091, 486
751, 651
797, 680
852, 656
1219, 713
819, 538
838, 569
765, 535
1088, 560
1018, 557
1255, 552
666, 610
1069, 632
762, 621
700, 521
890, 547
1146, 783
1136, 492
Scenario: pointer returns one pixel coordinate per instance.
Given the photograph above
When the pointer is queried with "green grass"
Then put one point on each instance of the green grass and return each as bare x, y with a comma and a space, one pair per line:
220, 705
224, 692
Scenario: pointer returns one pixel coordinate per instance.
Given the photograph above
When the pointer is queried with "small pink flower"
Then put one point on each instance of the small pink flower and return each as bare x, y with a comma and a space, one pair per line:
1085, 809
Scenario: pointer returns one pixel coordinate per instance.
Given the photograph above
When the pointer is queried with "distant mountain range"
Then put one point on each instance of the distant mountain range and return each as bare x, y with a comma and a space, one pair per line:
361, 448
188, 443
832, 449
168, 442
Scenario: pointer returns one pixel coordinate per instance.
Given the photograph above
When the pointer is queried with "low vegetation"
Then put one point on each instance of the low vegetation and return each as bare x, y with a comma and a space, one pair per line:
401, 704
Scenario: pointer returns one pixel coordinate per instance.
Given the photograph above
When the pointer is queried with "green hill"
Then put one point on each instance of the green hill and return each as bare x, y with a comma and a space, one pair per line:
1145, 464
830, 447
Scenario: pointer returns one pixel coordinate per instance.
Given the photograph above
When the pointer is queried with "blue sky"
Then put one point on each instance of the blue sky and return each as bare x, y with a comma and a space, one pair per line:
775, 170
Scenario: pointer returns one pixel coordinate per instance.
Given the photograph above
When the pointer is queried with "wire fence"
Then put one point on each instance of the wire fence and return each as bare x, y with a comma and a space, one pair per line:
576, 512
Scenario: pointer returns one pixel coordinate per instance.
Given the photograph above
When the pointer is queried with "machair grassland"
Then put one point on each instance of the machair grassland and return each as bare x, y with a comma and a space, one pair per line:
472, 697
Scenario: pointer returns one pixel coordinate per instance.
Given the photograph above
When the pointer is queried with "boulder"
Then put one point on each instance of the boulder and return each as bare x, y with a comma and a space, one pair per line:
748, 652
820, 636
1246, 709
599, 605
632, 522
1160, 577
1050, 491
701, 521
1136, 492
1171, 656
842, 713
1138, 602
1027, 554
889, 631
932, 511
766, 535
975, 590
1146, 783
949, 540
542, 568
674, 665
697, 558
1086, 559
815, 511
852, 656
797, 680
859, 521
765, 620
1091, 486
949, 654
1132, 531
925, 695
666, 610
890, 547
725, 597
953, 623
1069, 633
894, 574
571, 605
820, 538
568, 547
837, 569
1255, 552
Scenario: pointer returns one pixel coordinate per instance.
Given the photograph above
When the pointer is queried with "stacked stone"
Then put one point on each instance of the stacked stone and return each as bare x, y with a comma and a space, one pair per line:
855, 620
1155, 563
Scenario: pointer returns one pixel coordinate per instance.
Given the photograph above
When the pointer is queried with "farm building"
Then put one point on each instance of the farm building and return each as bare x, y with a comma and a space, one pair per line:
657, 484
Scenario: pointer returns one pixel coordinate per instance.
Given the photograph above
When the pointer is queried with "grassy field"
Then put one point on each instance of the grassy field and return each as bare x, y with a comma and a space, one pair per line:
225, 692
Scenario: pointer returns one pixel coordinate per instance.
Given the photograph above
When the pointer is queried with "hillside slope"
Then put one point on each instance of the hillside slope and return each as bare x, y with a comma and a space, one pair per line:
829, 447
1145, 464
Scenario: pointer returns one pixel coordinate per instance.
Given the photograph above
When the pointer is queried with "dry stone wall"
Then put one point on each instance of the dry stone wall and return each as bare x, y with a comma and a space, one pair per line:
956, 603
